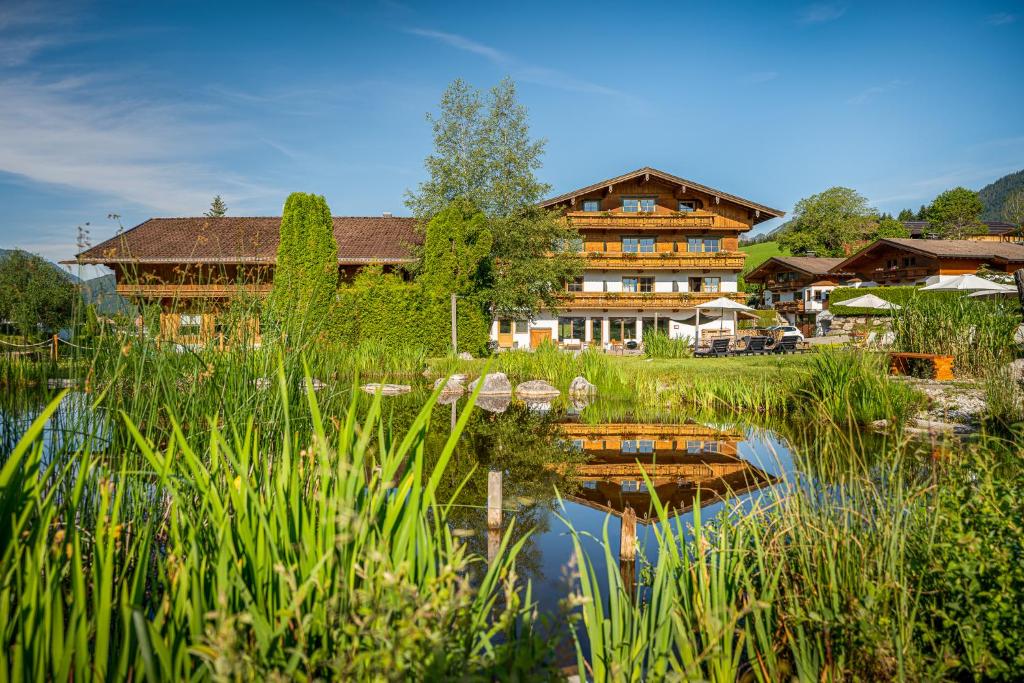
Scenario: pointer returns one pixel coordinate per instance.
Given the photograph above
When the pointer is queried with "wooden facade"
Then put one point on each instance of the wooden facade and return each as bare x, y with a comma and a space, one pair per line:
797, 287
920, 261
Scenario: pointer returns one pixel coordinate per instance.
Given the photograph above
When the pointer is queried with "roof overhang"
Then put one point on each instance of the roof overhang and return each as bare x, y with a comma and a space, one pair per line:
761, 212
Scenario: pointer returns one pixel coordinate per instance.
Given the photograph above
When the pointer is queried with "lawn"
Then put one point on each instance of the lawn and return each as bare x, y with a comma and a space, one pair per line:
759, 253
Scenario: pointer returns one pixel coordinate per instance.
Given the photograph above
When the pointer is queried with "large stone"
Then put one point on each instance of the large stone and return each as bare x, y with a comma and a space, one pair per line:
452, 385
494, 403
536, 389
494, 384
387, 389
1016, 370
581, 387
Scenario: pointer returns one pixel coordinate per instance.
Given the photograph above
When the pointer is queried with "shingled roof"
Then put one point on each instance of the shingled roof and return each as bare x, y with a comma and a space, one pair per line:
948, 249
923, 228
236, 239
812, 265
764, 212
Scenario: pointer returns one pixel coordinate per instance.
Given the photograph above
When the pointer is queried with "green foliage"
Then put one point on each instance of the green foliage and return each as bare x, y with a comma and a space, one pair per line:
660, 345
1013, 208
977, 332
956, 214
827, 222
306, 270
995, 194
482, 153
896, 295
37, 297
457, 250
892, 228
383, 307
906, 215
217, 208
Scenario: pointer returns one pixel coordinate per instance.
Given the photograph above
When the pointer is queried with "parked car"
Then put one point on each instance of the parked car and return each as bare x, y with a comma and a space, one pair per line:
787, 331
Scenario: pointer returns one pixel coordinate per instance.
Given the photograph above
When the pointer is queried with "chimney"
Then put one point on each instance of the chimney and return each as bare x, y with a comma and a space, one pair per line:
387, 214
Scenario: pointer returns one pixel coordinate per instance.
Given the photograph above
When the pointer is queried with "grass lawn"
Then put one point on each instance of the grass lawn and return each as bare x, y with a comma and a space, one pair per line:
732, 368
759, 253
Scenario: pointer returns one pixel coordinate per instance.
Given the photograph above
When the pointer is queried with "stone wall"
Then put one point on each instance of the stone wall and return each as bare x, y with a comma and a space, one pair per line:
848, 324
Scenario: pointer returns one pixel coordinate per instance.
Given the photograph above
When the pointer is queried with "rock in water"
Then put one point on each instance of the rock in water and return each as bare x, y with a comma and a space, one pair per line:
536, 389
453, 385
495, 384
494, 403
387, 389
581, 387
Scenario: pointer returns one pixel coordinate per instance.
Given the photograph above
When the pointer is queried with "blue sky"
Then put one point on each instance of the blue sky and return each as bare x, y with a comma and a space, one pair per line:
149, 109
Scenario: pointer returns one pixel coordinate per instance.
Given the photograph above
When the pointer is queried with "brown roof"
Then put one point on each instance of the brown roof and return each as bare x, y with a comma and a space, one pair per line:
767, 212
237, 239
923, 228
812, 265
948, 249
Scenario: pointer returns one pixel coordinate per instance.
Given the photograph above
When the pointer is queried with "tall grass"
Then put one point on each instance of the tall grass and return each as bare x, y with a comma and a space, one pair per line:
660, 345
978, 333
240, 556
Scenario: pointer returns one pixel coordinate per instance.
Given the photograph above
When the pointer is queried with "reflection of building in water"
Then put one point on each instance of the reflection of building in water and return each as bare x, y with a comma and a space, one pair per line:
679, 459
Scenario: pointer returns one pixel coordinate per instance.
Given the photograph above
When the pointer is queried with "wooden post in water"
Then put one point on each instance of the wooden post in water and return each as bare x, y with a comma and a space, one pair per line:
53, 353
493, 514
627, 551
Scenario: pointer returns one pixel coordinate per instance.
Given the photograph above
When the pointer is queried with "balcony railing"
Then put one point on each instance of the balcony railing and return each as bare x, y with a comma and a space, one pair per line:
789, 306
618, 260
168, 291
889, 274
591, 219
675, 300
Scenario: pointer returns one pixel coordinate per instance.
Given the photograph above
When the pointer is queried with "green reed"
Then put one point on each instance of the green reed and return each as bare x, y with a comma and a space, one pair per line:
660, 345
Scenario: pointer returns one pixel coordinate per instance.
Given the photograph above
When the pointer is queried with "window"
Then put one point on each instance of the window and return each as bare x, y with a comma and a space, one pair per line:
694, 244
595, 330
571, 328
638, 204
711, 244
646, 284
641, 245
711, 284
629, 284
628, 447
575, 285
504, 327
645, 446
573, 246
695, 284
698, 245
621, 328
592, 205
687, 205
189, 325
693, 447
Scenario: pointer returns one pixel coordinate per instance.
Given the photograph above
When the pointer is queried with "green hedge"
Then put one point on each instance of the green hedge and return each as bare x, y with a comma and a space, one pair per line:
389, 309
896, 295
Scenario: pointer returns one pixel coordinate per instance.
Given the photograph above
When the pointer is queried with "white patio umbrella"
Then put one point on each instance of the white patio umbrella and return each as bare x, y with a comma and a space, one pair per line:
1011, 291
868, 301
721, 305
967, 283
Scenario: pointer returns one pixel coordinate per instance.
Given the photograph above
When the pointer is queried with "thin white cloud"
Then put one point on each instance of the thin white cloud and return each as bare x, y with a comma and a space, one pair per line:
926, 189
822, 12
1000, 19
519, 70
875, 90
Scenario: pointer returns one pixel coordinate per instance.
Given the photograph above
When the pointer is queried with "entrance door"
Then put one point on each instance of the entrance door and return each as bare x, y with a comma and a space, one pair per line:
539, 335
505, 334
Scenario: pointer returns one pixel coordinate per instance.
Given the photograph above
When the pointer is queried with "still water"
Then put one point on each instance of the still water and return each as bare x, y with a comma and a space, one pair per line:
542, 466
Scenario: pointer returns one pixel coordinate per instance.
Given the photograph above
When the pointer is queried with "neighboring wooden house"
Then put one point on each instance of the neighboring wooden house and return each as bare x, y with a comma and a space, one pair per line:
192, 267
995, 231
656, 246
798, 287
925, 261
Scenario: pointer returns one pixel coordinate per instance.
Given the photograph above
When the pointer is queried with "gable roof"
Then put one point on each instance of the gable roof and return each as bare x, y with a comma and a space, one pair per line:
766, 212
945, 249
920, 228
251, 240
811, 265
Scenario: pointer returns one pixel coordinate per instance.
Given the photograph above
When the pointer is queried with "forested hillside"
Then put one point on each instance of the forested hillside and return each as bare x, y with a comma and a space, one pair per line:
994, 195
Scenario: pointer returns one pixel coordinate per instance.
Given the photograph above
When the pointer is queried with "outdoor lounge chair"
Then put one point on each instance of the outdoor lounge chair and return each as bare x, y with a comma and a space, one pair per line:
719, 347
756, 345
786, 345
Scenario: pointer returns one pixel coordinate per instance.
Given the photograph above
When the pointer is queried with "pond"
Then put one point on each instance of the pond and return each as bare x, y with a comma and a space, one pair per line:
537, 465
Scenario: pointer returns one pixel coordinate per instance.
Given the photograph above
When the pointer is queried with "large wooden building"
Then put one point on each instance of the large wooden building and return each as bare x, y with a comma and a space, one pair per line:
192, 267
798, 287
656, 246
894, 261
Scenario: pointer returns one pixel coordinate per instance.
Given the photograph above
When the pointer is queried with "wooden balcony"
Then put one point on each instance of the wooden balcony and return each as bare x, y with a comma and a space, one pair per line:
899, 274
598, 219
641, 300
210, 291
789, 306
618, 260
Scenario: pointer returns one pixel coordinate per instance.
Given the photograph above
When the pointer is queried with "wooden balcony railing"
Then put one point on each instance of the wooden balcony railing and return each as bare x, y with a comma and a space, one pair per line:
168, 291
618, 260
592, 219
675, 300
890, 274
789, 306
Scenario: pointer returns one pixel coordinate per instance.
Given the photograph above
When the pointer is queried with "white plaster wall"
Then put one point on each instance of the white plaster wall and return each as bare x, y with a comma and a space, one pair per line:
595, 281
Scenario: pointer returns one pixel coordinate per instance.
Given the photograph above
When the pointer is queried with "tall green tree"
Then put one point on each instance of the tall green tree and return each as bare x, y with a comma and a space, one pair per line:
34, 295
306, 271
217, 208
890, 227
956, 214
457, 250
906, 215
483, 154
826, 223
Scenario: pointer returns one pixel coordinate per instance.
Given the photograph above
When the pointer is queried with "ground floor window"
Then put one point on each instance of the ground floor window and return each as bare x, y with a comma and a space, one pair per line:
596, 334
661, 325
620, 329
190, 325
504, 327
571, 328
